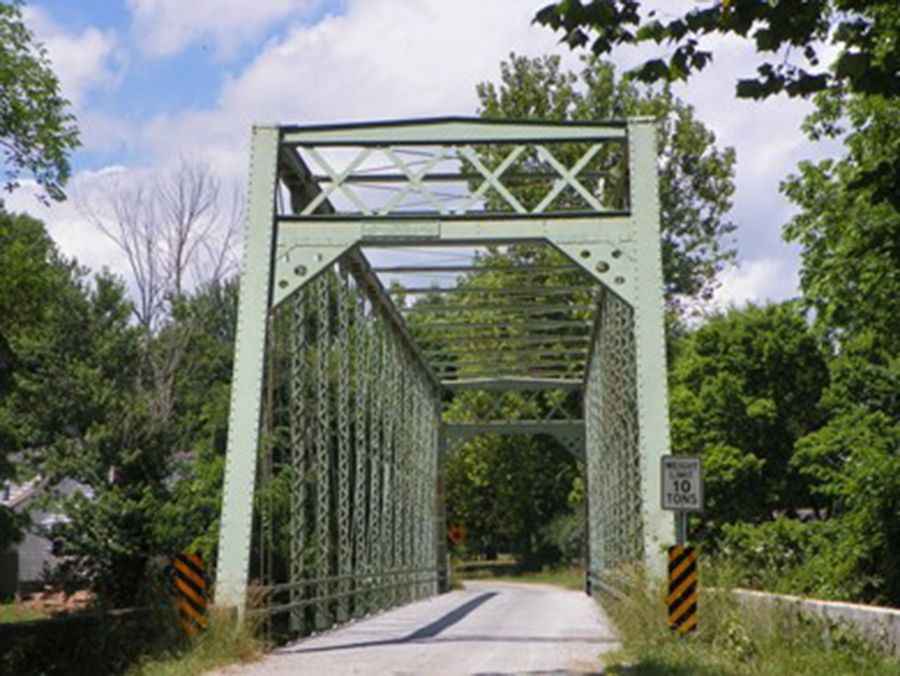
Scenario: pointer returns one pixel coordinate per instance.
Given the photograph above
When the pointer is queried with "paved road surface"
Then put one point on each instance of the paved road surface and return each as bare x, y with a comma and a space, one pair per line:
490, 629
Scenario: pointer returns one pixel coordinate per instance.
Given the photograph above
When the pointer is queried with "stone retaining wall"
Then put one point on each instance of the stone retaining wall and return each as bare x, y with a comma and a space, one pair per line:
880, 625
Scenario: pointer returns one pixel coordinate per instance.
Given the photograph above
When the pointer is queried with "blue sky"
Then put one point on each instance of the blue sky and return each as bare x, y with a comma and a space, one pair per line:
155, 80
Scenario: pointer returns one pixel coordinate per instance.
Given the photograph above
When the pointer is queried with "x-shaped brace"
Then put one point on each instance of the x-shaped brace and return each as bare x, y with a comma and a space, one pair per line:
415, 180
568, 177
492, 178
337, 181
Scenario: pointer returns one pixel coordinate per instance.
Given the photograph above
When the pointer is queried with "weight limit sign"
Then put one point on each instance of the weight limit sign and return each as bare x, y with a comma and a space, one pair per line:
682, 484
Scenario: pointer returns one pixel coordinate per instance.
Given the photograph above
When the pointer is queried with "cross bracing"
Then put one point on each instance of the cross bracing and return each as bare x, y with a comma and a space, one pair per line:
391, 267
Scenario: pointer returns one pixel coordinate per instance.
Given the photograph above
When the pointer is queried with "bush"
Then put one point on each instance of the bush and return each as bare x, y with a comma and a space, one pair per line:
792, 557
565, 537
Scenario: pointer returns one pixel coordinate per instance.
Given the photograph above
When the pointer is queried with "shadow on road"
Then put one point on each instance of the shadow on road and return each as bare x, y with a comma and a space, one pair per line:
451, 618
426, 632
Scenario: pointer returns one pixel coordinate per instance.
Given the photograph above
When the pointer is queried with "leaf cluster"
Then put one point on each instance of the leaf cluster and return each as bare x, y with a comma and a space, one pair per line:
865, 32
37, 131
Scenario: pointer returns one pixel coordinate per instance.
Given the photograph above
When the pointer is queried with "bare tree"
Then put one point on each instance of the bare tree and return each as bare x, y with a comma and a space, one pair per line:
177, 229
126, 214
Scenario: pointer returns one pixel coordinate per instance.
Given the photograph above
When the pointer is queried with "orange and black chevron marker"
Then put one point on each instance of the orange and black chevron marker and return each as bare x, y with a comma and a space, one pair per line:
682, 598
190, 592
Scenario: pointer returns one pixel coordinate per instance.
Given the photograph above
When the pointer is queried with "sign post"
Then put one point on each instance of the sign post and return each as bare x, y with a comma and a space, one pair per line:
682, 492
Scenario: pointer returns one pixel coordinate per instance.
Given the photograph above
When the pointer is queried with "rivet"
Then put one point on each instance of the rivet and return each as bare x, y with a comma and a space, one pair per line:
619, 280
300, 270
617, 253
602, 266
283, 283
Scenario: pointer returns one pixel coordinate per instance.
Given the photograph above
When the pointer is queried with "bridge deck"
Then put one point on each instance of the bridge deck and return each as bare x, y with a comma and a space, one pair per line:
490, 628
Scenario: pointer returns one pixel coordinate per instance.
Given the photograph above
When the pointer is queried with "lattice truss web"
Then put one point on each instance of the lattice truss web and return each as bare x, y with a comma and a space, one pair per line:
528, 179
353, 420
615, 499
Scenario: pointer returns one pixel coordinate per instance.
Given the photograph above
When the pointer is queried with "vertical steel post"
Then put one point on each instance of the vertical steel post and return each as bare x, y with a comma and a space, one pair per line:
300, 445
388, 409
323, 450
362, 366
344, 544
376, 493
442, 563
650, 342
246, 388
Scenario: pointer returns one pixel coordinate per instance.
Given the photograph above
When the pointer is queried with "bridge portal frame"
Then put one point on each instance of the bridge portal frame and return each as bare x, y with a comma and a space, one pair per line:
282, 253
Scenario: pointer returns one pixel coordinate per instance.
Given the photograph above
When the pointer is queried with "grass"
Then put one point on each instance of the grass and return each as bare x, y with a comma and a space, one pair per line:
733, 639
568, 578
223, 643
17, 612
507, 570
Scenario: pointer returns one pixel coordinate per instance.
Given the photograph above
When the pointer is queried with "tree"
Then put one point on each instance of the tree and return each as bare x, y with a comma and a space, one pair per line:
37, 132
696, 177
745, 386
850, 277
850, 242
32, 276
505, 490
865, 34
202, 400
76, 408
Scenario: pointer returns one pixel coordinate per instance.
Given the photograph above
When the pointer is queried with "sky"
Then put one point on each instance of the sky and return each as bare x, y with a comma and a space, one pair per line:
152, 81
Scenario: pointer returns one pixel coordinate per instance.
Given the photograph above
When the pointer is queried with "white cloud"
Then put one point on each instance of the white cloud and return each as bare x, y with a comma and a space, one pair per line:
166, 27
757, 281
81, 60
381, 59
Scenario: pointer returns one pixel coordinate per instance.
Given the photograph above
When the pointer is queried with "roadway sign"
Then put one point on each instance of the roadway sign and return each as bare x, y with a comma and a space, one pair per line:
457, 533
682, 484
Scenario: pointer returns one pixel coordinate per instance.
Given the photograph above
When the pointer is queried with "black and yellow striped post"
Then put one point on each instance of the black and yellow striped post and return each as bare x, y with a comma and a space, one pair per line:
682, 598
190, 592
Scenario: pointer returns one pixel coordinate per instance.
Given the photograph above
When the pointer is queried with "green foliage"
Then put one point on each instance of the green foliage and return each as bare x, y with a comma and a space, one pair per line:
696, 176
868, 56
504, 489
744, 387
849, 241
41, 295
202, 395
36, 130
567, 534
850, 279
789, 556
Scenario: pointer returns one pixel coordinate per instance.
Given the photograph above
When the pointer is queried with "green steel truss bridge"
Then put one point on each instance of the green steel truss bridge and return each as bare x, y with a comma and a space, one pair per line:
355, 335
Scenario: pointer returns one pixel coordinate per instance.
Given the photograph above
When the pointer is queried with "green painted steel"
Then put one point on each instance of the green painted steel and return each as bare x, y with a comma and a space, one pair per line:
349, 491
246, 392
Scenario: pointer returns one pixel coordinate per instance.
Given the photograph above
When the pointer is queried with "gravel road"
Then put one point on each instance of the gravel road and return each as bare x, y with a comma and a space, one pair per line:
490, 629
